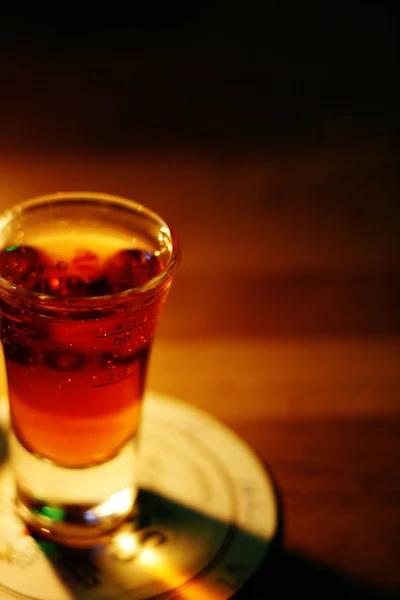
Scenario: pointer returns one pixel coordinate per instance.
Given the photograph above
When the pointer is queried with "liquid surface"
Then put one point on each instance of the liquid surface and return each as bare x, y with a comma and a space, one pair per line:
75, 385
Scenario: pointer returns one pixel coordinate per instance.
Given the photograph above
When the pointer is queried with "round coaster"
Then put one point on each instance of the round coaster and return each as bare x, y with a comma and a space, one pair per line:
208, 515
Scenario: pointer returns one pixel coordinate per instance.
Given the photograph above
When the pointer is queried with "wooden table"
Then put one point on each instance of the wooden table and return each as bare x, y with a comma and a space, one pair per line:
283, 322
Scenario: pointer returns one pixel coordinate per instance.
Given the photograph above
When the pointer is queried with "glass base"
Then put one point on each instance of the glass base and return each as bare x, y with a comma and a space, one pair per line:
75, 507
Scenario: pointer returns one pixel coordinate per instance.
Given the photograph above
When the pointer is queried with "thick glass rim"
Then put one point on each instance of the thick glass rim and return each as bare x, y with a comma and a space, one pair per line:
71, 302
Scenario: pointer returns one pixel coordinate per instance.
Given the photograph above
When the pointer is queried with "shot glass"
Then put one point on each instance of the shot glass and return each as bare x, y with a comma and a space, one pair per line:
83, 281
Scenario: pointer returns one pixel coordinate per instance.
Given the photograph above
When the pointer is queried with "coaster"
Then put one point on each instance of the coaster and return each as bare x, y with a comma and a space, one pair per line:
208, 516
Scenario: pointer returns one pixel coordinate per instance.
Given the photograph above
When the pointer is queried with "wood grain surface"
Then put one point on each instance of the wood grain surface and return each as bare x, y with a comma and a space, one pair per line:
283, 322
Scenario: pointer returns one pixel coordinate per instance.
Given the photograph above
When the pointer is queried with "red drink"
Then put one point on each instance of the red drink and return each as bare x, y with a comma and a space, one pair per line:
76, 380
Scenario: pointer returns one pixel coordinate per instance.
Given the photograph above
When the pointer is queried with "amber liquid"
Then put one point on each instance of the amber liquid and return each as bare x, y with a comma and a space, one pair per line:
76, 383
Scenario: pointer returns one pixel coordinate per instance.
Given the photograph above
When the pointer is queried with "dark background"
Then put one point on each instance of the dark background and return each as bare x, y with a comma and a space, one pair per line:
228, 73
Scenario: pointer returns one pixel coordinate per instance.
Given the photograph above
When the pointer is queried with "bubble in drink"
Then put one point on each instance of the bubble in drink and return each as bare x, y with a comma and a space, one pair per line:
76, 382
65, 360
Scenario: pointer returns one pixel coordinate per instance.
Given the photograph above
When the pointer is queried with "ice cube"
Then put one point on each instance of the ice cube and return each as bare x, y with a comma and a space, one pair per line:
85, 264
130, 268
99, 287
22, 265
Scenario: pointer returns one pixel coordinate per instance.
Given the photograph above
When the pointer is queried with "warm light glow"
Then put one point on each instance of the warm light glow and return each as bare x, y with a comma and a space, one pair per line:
175, 579
125, 545
4, 412
127, 542
118, 504
148, 557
